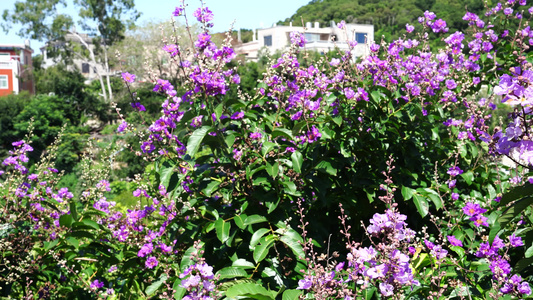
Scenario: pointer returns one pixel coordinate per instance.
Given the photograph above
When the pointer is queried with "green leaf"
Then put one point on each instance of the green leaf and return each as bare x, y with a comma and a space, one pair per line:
514, 210
421, 204
273, 169
50, 245
195, 140
407, 193
256, 237
459, 250
516, 193
468, 177
295, 246
211, 187
239, 220
152, 288
218, 110
231, 272
529, 252
186, 260
65, 220
267, 147
179, 290
282, 132
261, 250
222, 228
91, 223
73, 242
297, 161
434, 196
291, 294
243, 264
249, 290
253, 219
166, 172
522, 264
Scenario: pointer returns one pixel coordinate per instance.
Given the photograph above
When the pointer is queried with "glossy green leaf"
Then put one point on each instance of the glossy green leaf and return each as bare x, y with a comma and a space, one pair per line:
514, 210
152, 288
256, 237
195, 140
297, 161
249, 290
222, 228
231, 272
421, 204
272, 169
253, 219
261, 250
294, 245
291, 294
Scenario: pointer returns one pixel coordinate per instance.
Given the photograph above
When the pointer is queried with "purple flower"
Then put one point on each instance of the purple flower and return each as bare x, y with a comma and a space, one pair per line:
237, 115
455, 196
203, 15
377, 271
334, 62
454, 171
122, 126
507, 11
454, 241
297, 39
305, 284
178, 12
480, 220
151, 262
515, 241
255, 135
145, 250
409, 28
341, 24
128, 77
172, 49
524, 288
97, 284
386, 289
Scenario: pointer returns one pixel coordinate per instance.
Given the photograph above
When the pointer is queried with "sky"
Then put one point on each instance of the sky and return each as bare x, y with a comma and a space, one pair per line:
247, 14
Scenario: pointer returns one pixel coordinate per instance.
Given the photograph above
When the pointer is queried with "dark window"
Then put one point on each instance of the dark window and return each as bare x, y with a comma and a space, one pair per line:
85, 68
360, 37
268, 40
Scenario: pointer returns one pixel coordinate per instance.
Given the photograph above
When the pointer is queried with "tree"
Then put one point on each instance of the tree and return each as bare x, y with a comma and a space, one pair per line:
104, 20
141, 51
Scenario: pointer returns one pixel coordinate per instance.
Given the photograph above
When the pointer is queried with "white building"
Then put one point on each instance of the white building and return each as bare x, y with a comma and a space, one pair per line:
318, 39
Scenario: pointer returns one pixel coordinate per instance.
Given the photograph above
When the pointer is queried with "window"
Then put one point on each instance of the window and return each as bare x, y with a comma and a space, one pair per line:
4, 83
85, 68
312, 37
360, 37
268, 40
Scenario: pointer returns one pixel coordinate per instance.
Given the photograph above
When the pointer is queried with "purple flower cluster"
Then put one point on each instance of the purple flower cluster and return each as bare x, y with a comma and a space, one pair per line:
388, 269
198, 280
501, 268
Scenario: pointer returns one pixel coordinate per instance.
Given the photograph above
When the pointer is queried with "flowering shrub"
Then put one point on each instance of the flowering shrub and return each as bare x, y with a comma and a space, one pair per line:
228, 176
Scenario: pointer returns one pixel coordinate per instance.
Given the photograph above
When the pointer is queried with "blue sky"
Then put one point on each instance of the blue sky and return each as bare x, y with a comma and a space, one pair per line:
247, 14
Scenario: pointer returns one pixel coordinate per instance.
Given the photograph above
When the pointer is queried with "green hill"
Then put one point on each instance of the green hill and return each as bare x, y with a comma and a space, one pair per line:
388, 17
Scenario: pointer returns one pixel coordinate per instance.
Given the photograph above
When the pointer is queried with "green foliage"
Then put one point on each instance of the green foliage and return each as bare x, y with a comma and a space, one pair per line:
10, 106
389, 18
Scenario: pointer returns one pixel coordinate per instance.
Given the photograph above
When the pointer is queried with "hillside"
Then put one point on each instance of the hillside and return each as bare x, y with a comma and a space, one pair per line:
388, 16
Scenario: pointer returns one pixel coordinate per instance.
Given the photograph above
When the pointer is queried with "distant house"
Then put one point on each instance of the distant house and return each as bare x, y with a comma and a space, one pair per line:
318, 39
16, 69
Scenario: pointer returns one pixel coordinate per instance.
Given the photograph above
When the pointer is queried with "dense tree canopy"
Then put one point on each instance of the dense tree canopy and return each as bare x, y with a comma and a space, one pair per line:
387, 16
